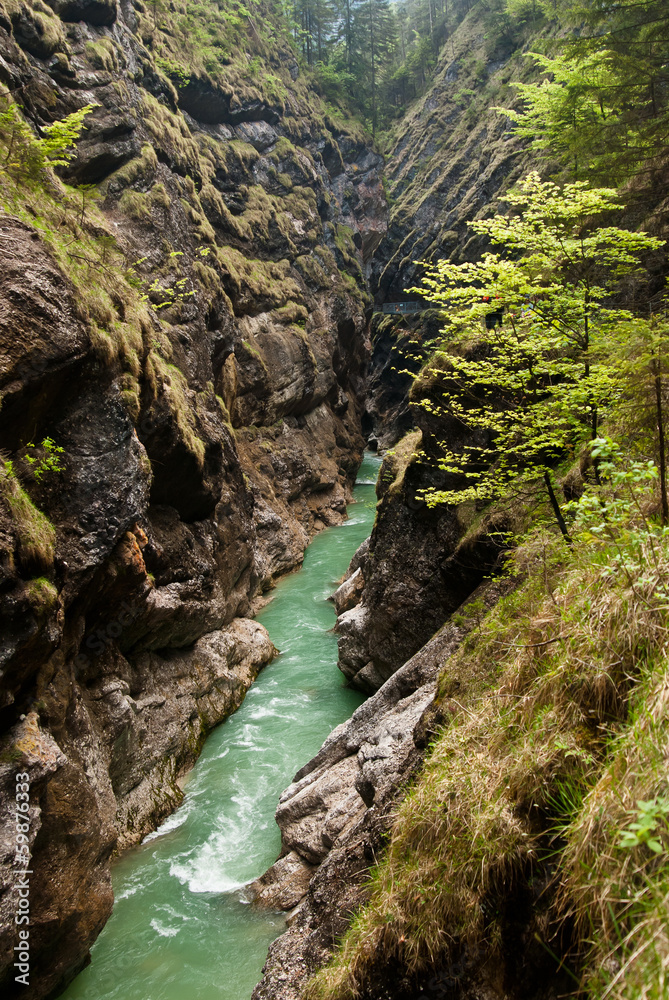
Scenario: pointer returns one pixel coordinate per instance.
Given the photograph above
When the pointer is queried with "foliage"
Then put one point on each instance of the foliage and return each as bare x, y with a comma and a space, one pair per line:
643, 831
550, 770
525, 364
373, 54
34, 534
44, 459
25, 156
603, 102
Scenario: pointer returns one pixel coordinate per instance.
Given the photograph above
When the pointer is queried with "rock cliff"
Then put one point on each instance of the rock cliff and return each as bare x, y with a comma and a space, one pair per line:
450, 158
188, 324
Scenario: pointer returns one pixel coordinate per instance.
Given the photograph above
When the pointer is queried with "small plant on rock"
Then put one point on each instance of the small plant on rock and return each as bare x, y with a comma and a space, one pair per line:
44, 458
23, 156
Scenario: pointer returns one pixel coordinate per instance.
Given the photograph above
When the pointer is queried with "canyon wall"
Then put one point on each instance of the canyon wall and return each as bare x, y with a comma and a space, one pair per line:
188, 325
426, 577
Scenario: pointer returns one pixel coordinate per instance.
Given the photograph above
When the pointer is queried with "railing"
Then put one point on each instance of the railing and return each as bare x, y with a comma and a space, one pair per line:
401, 308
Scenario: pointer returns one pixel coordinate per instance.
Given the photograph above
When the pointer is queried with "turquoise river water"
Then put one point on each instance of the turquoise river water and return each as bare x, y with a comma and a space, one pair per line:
180, 929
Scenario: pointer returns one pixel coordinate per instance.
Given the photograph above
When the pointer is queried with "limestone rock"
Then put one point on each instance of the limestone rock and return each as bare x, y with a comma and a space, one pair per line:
184, 694
69, 879
259, 134
421, 564
283, 885
98, 12
313, 812
202, 365
343, 800
349, 593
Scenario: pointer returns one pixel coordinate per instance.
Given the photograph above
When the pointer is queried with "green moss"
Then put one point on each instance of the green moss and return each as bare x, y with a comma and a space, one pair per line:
397, 460
49, 29
35, 536
249, 348
172, 136
292, 312
136, 205
78, 236
130, 393
219, 214
159, 197
170, 384
253, 281
312, 272
174, 70
203, 230
140, 170
42, 594
103, 54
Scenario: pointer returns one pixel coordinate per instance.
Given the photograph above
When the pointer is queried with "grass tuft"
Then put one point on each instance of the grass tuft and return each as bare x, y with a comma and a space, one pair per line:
35, 536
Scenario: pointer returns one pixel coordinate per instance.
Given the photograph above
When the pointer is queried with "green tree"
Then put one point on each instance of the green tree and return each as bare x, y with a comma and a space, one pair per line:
375, 41
24, 156
315, 20
603, 102
643, 349
525, 363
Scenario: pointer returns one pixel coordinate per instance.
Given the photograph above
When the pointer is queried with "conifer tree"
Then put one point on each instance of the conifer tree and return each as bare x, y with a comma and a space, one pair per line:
604, 100
375, 41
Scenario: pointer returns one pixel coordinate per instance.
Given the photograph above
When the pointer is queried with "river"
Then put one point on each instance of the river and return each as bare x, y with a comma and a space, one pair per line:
180, 928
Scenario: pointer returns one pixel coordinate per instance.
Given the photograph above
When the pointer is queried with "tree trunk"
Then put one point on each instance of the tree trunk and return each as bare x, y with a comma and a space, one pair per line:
661, 442
556, 509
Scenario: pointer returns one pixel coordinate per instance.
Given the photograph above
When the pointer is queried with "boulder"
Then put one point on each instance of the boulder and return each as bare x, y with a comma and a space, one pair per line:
349, 593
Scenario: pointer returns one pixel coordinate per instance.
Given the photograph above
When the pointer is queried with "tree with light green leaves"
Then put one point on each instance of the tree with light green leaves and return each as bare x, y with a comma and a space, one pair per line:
643, 349
526, 362
24, 156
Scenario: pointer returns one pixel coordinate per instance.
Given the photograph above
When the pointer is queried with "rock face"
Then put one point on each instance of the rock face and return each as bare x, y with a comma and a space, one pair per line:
451, 158
419, 565
339, 807
192, 335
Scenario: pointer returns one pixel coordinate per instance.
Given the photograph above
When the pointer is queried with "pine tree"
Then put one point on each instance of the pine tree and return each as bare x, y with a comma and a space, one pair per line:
375, 42
604, 101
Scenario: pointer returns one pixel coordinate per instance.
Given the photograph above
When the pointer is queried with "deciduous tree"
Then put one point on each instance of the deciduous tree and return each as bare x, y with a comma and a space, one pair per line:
526, 359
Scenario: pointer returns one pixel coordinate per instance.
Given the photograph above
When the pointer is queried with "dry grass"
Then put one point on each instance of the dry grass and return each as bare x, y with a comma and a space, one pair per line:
617, 895
546, 763
169, 383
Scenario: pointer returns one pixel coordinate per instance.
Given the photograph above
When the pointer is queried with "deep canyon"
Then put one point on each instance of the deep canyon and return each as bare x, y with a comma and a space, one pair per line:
190, 311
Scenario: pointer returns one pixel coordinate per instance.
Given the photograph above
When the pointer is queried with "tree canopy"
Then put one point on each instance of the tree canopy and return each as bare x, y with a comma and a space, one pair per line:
527, 359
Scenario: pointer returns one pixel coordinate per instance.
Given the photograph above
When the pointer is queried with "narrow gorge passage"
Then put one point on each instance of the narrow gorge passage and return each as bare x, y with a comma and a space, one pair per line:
180, 927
